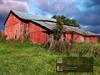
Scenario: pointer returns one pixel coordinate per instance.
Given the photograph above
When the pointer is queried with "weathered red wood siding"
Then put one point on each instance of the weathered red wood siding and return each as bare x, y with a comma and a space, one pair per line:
24, 27
37, 34
68, 36
91, 39
81, 38
12, 27
78, 38
94, 39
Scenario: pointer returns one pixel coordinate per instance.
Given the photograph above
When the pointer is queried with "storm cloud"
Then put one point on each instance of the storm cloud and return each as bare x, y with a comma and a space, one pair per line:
7, 5
86, 12
55, 7
91, 16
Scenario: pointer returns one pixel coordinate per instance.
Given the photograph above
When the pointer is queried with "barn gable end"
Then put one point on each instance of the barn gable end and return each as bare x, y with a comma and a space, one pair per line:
15, 28
12, 26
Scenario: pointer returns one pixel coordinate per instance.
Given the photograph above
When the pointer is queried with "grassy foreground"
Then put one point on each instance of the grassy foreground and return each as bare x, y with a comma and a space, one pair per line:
18, 58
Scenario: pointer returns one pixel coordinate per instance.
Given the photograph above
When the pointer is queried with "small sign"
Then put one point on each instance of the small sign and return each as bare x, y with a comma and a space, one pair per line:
74, 64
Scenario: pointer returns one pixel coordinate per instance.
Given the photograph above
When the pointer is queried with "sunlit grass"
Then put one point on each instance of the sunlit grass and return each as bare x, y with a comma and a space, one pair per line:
18, 58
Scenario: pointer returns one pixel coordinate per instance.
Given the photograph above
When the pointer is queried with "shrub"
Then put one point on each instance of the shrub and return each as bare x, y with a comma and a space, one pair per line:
3, 38
78, 48
96, 50
60, 46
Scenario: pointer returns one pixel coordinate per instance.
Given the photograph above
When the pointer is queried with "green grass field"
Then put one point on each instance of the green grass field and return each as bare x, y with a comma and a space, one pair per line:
18, 58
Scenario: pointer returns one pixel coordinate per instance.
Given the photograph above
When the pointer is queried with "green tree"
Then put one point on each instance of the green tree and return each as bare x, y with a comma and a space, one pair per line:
56, 43
58, 31
67, 21
72, 22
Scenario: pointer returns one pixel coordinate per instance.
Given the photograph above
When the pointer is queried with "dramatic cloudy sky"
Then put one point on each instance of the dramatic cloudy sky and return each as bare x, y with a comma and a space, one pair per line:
86, 12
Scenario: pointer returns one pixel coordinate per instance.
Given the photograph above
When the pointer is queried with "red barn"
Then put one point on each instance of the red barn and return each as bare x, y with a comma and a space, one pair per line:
19, 25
